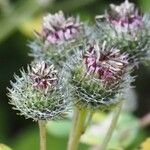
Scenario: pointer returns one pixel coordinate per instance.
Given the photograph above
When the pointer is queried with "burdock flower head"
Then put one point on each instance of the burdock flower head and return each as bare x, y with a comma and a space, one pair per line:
57, 28
124, 17
38, 94
107, 64
59, 36
127, 28
98, 76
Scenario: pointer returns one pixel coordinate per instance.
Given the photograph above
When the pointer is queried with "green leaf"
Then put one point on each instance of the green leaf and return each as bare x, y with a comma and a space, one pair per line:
28, 139
31, 25
59, 128
145, 5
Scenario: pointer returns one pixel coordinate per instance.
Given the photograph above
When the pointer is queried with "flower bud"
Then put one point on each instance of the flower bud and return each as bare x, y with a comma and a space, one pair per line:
123, 19
126, 27
57, 28
98, 76
58, 38
39, 93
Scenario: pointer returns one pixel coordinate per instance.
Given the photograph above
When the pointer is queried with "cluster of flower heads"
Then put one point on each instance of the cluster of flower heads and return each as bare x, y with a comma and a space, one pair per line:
93, 67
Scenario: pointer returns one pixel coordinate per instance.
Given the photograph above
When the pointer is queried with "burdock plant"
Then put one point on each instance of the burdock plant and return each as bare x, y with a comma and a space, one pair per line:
39, 95
93, 68
98, 77
59, 35
127, 27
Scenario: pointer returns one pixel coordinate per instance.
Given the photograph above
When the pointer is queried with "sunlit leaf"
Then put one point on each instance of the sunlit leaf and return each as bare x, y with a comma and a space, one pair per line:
24, 10
145, 145
4, 147
29, 26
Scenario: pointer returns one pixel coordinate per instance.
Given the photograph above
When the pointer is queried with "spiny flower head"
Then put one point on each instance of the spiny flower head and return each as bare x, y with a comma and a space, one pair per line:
57, 28
124, 17
107, 63
39, 93
97, 76
126, 27
58, 38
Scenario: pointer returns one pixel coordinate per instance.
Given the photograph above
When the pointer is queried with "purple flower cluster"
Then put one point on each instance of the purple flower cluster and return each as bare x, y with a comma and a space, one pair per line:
107, 63
43, 76
57, 28
124, 18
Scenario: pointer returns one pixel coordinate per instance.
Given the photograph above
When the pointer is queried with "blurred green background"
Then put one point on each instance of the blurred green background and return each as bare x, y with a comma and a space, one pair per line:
18, 19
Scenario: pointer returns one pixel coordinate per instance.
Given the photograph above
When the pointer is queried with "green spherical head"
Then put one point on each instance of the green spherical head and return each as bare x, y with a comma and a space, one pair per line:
38, 94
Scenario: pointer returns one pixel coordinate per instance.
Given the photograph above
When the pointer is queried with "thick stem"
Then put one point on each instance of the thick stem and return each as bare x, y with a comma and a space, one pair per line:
42, 130
77, 128
112, 127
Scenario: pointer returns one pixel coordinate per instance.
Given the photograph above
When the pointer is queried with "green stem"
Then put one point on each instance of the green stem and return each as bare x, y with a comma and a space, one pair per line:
89, 118
77, 128
112, 127
42, 130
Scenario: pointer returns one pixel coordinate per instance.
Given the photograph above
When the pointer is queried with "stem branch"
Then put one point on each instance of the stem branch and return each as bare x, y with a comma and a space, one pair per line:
112, 127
